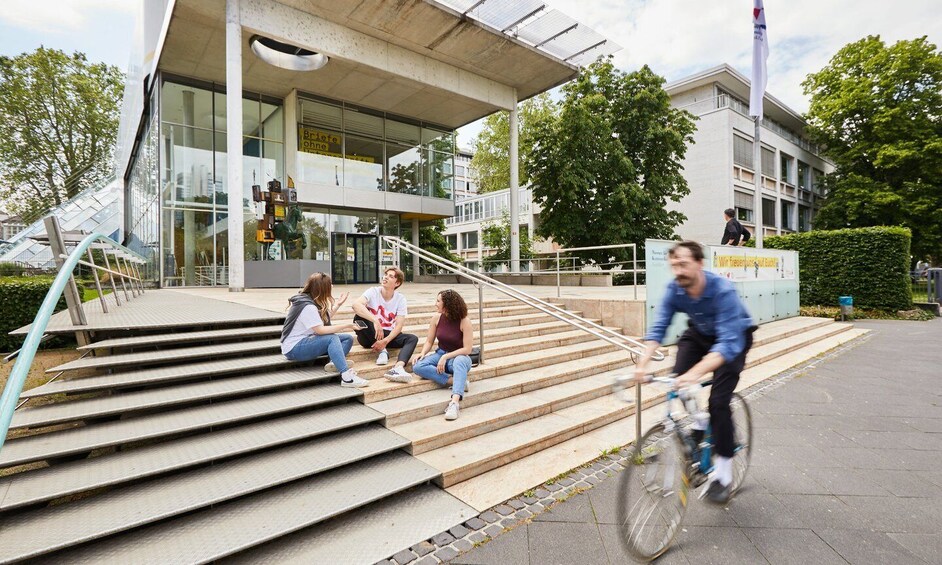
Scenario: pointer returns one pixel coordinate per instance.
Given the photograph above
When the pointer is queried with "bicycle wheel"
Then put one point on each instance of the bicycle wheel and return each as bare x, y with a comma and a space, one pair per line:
742, 436
652, 494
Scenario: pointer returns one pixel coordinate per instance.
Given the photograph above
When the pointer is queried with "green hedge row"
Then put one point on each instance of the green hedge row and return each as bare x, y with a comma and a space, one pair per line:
869, 264
21, 299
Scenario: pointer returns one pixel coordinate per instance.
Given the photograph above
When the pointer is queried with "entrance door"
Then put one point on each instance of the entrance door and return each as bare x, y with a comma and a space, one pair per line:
355, 258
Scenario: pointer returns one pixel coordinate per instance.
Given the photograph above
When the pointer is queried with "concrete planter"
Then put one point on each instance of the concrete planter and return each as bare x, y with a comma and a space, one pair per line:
601, 279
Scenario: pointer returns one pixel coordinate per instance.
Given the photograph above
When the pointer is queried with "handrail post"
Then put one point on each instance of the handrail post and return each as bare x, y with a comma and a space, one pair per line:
124, 284
634, 267
140, 278
101, 295
127, 274
558, 295
72, 298
114, 287
481, 319
637, 413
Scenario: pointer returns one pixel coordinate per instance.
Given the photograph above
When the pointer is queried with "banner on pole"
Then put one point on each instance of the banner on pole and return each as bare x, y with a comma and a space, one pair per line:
760, 55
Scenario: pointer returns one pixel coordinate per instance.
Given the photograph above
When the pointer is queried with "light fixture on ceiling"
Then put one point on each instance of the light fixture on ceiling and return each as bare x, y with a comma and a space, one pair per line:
286, 56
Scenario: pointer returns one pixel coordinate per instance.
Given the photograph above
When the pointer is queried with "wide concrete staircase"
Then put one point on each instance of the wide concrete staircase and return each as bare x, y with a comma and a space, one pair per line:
204, 443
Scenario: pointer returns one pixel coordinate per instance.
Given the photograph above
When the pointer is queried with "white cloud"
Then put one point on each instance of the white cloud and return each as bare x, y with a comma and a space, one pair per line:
57, 16
679, 37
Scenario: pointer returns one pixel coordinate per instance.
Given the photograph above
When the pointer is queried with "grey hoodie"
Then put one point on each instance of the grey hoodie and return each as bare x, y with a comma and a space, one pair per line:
297, 304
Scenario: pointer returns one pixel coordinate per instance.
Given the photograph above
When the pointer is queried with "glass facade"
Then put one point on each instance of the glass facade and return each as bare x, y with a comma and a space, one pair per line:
194, 194
141, 200
342, 145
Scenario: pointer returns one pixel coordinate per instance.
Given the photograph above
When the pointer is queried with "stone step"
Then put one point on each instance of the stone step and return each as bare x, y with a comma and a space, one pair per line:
123, 509
369, 370
381, 389
173, 339
73, 477
432, 401
492, 487
475, 449
164, 397
166, 356
167, 424
226, 529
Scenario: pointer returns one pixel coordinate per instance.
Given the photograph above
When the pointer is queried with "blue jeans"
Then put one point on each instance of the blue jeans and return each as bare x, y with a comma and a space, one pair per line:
459, 366
336, 346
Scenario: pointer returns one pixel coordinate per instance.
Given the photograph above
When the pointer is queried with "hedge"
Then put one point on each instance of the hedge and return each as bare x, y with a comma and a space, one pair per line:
20, 299
869, 264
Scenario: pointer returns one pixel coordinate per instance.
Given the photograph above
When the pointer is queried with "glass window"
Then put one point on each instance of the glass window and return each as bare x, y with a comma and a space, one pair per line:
362, 123
405, 169
804, 182
768, 163
460, 171
768, 212
406, 134
189, 106
440, 177
742, 151
787, 212
273, 122
469, 239
438, 140
389, 224
363, 163
189, 170
251, 118
804, 218
786, 172
320, 155
744, 215
352, 222
452, 240
313, 227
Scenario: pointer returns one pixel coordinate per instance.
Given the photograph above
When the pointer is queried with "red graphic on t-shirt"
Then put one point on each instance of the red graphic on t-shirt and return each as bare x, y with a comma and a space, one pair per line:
386, 320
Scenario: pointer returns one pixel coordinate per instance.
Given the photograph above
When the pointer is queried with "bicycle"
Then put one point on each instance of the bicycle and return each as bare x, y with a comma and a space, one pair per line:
666, 463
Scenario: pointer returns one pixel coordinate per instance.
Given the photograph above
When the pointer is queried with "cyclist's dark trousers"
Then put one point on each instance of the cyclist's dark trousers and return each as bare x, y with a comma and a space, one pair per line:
405, 342
694, 346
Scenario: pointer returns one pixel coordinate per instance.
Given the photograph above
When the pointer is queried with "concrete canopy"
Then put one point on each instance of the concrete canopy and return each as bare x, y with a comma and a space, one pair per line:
410, 57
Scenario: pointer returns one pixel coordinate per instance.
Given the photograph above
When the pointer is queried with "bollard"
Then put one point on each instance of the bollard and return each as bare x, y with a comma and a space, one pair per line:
847, 307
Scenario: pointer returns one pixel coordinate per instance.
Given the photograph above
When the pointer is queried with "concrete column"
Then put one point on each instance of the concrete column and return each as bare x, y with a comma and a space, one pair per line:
291, 136
196, 189
514, 191
415, 242
234, 145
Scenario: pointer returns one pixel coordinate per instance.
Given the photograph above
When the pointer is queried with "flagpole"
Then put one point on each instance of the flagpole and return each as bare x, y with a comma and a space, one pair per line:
757, 164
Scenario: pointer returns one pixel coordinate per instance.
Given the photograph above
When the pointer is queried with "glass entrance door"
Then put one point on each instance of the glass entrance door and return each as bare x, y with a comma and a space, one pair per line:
355, 258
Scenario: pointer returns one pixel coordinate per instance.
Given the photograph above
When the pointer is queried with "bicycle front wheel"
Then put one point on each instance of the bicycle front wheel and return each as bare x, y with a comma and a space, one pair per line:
742, 437
652, 494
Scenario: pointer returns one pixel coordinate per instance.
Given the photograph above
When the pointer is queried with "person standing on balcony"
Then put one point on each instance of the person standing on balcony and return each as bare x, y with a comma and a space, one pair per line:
735, 234
383, 310
308, 333
452, 328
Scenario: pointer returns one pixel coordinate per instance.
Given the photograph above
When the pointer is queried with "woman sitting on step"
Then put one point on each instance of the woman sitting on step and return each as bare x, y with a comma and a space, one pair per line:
452, 328
308, 333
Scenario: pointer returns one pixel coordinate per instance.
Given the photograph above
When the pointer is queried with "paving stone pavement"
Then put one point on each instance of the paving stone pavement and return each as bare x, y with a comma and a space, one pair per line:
846, 468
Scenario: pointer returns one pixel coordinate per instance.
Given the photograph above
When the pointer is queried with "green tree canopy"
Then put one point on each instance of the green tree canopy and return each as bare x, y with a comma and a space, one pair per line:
491, 160
877, 110
604, 171
496, 235
58, 125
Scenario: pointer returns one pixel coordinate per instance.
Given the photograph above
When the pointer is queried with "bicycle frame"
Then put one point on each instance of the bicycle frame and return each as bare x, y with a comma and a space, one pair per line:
705, 464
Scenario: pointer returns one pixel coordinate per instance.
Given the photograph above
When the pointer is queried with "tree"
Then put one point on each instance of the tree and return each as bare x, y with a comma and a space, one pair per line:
496, 235
605, 169
877, 110
491, 161
58, 125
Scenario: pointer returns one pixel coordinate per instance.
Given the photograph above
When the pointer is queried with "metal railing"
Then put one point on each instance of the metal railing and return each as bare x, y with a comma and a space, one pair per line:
561, 314
131, 285
634, 261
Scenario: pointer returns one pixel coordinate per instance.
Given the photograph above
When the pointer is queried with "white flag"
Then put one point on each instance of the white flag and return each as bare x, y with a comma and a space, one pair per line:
760, 54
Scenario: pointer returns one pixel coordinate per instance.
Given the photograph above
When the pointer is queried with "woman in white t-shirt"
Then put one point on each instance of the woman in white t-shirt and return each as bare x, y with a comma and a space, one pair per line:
308, 333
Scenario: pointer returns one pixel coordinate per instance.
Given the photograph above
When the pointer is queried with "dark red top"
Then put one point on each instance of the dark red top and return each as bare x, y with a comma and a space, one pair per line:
449, 334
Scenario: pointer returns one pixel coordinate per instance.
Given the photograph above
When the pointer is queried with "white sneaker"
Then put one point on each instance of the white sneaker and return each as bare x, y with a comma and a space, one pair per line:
351, 379
383, 358
451, 413
398, 375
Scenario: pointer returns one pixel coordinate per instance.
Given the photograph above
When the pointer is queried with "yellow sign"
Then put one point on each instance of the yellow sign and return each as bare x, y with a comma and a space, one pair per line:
319, 142
732, 261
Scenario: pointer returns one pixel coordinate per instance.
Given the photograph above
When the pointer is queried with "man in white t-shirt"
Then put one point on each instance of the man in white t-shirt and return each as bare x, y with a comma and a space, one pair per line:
384, 309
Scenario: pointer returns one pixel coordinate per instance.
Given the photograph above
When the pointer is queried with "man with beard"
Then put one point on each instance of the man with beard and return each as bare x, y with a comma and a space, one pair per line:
717, 339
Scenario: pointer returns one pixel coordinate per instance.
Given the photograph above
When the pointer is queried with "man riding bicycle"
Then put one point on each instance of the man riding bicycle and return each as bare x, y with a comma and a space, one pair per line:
717, 340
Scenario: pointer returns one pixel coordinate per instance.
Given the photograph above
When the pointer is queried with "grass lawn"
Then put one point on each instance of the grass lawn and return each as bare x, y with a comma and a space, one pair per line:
92, 294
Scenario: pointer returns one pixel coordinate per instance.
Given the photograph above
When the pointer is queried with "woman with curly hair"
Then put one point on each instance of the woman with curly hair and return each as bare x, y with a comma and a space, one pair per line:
452, 328
308, 333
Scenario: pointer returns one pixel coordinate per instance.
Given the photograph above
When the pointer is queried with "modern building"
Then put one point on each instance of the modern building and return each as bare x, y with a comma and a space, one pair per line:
719, 165
465, 179
10, 226
350, 105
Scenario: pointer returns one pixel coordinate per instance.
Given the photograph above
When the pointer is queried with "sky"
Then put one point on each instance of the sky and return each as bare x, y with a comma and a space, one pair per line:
675, 38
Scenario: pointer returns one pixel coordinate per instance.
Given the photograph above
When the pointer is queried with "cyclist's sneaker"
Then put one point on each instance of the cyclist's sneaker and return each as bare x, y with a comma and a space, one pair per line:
330, 367
382, 358
451, 413
351, 379
398, 375
717, 493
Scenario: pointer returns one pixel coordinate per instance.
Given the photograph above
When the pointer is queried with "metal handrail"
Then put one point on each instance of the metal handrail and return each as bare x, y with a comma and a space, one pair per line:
634, 261
17, 378
561, 314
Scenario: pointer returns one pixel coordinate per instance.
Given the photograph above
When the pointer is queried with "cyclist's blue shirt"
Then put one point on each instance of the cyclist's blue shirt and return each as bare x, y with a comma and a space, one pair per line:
717, 313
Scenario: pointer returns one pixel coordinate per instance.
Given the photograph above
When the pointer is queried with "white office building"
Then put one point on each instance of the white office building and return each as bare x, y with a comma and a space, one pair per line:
719, 164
